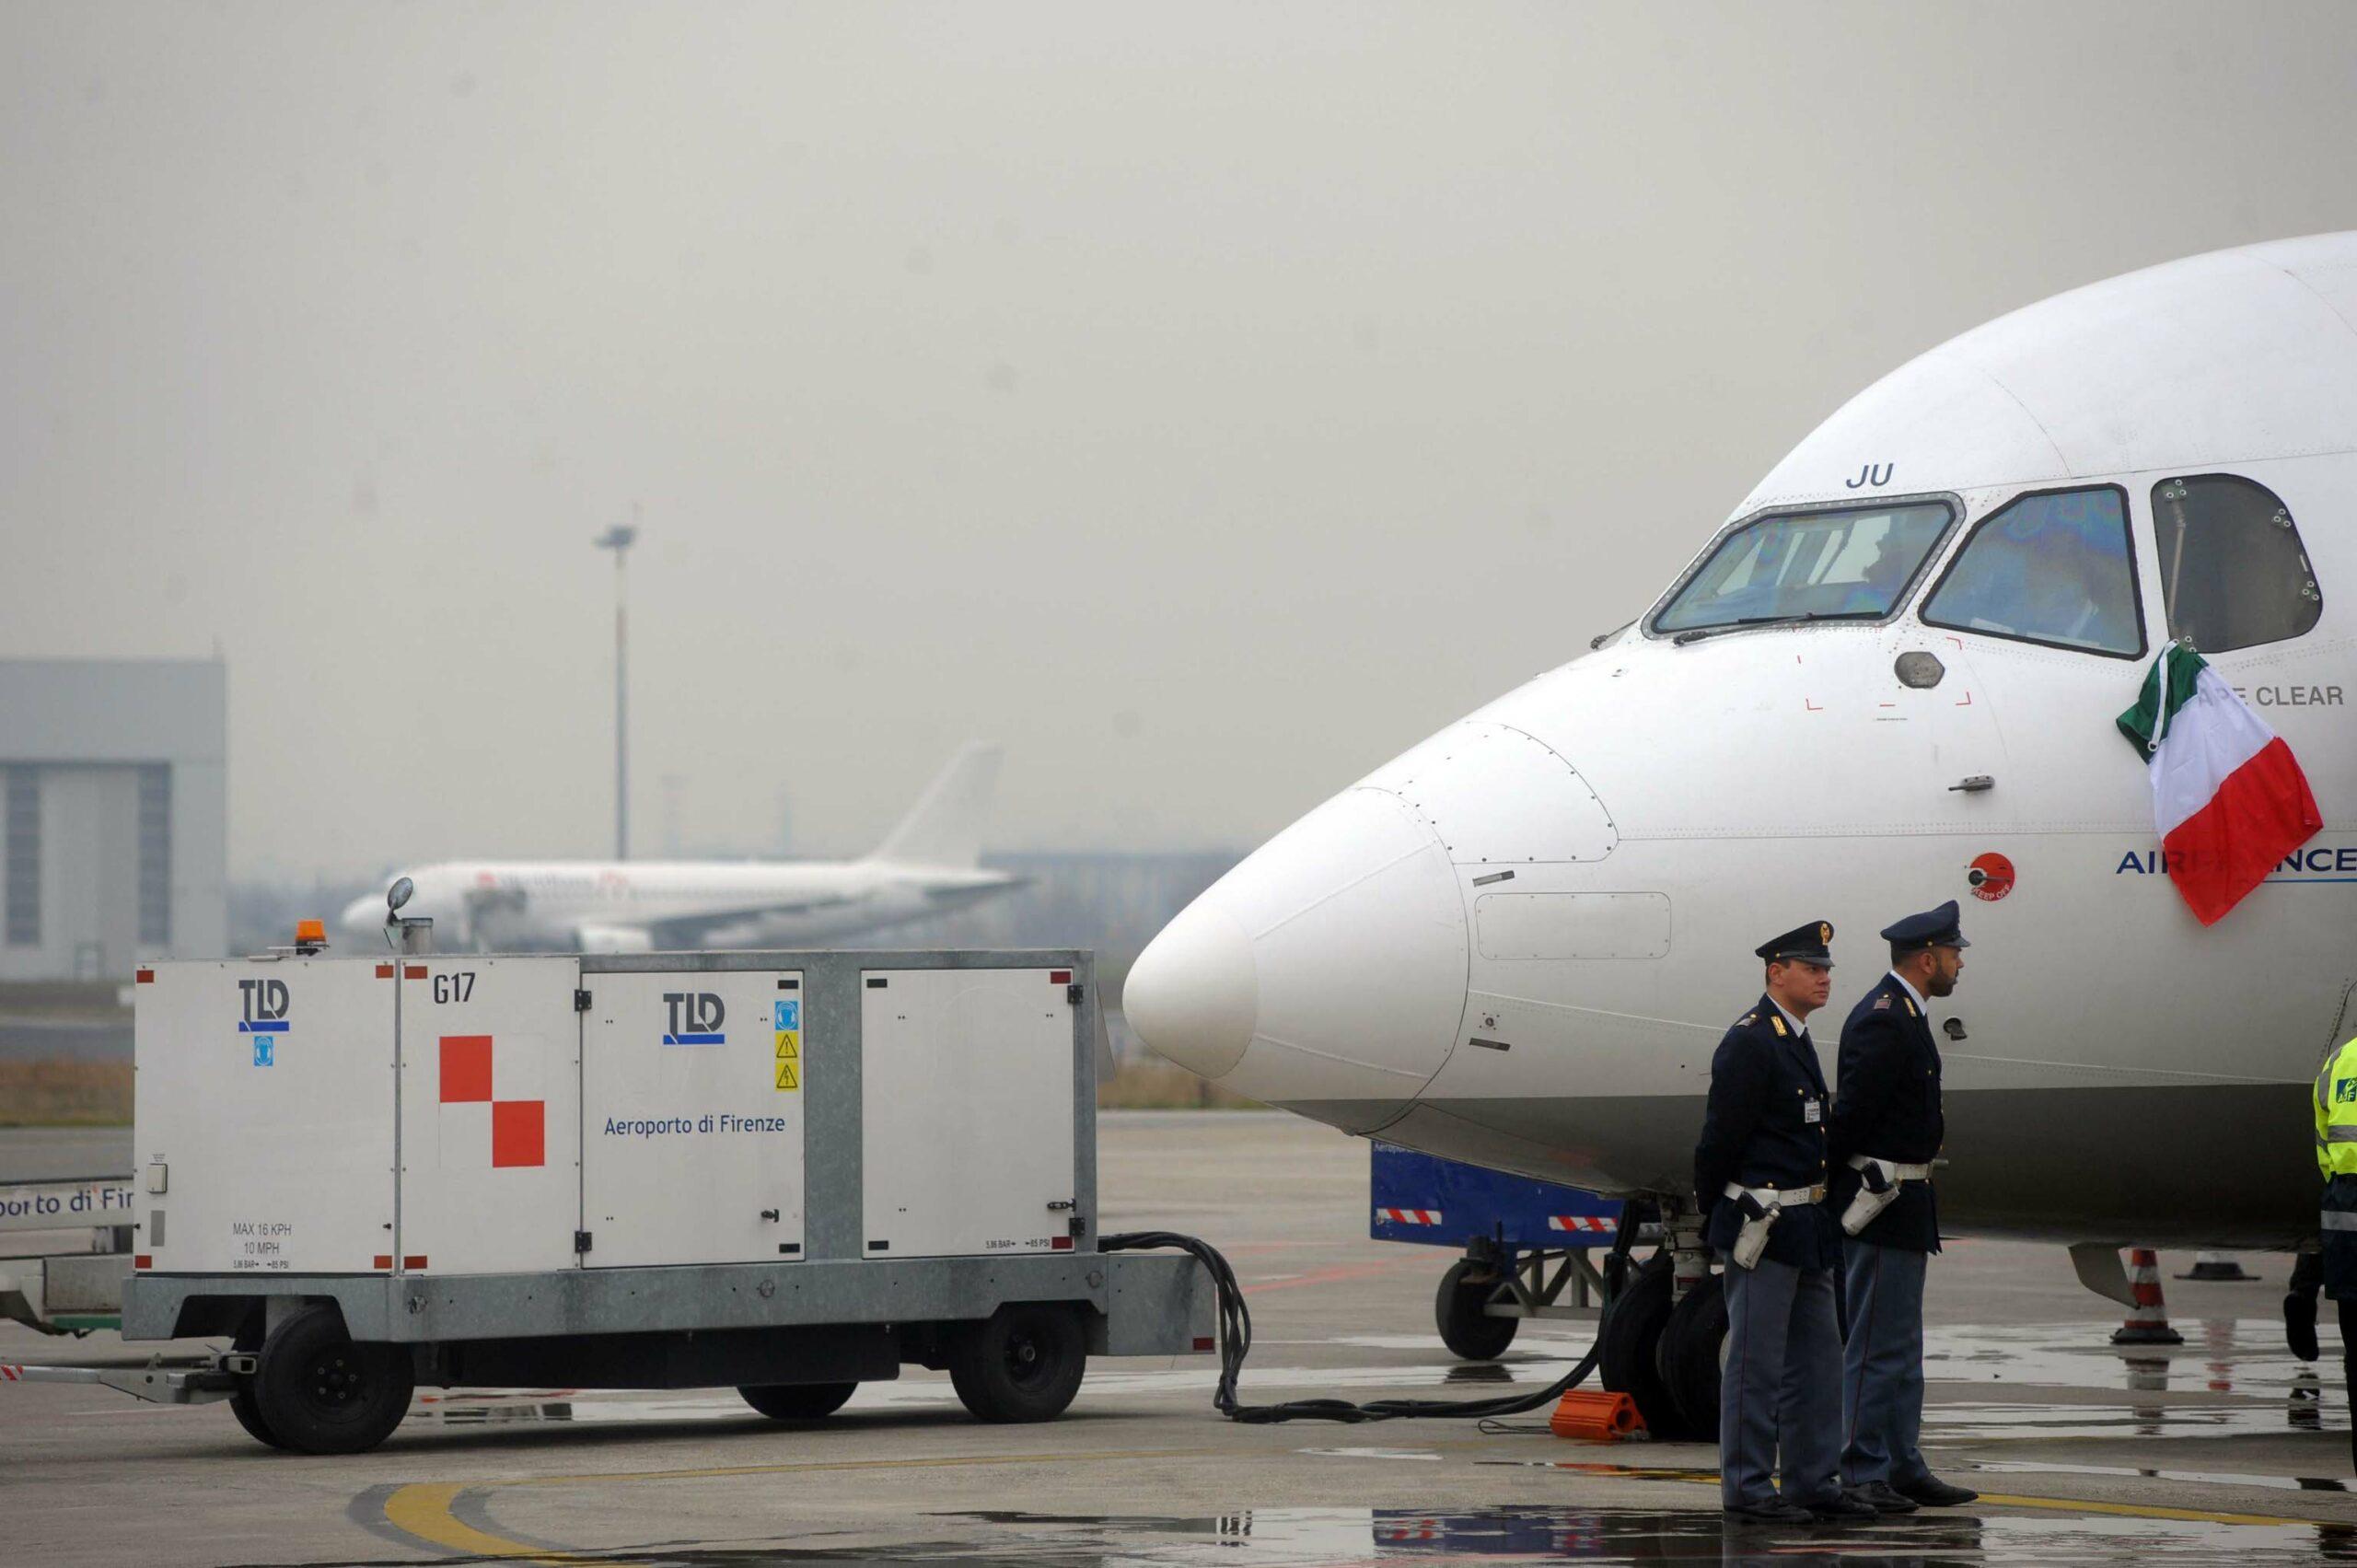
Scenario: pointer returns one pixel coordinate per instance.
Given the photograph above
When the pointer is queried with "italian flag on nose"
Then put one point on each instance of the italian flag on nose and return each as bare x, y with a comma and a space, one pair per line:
2229, 800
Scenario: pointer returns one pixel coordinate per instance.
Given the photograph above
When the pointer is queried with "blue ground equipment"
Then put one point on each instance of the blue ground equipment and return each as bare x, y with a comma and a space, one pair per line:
1525, 1243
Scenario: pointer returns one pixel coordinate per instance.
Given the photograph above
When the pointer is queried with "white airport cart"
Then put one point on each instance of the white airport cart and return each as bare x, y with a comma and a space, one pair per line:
789, 1172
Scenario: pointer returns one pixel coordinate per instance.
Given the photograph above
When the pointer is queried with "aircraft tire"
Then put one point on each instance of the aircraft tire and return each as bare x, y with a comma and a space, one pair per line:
1022, 1363
1457, 1310
1691, 1346
1632, 1360
798, 1401
320, 1392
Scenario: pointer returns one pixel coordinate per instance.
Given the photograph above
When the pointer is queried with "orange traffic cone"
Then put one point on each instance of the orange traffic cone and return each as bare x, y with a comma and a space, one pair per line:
1596, 1415
2148, 1320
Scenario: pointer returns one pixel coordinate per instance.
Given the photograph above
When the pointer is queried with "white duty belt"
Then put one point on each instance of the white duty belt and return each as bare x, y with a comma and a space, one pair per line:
1771, 1197
1892, 1168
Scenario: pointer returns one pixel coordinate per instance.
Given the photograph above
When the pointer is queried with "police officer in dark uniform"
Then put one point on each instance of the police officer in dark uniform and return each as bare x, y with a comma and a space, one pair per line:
1885, 1132
1760, 1174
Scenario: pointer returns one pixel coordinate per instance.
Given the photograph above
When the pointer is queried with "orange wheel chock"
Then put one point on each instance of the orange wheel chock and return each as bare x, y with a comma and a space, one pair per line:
1596, 1415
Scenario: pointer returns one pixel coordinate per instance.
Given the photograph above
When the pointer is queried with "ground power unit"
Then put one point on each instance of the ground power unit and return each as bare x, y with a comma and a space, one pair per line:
788, 1172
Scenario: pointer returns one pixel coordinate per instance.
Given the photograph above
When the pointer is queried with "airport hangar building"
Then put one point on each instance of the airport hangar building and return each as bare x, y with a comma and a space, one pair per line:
114, 813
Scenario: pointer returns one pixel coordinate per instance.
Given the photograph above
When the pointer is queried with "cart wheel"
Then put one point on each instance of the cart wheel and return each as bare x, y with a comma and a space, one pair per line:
1468, 1333
248, 1415
1023, 1364
321, 1393
1632, 1345
241, 1403
798, 1401
1691, 1344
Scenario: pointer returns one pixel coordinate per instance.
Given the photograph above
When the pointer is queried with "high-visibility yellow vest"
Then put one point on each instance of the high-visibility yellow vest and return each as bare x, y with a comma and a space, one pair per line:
2336, 1113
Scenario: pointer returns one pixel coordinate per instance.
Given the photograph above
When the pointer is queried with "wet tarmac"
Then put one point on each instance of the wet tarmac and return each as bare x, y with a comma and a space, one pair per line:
2225, 1449
1315, 1538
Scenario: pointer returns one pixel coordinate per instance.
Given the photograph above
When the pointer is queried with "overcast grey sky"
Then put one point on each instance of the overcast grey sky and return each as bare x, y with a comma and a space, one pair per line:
1207, 400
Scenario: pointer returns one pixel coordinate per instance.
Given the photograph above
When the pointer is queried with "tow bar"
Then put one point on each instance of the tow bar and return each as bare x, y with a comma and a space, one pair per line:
183, 1383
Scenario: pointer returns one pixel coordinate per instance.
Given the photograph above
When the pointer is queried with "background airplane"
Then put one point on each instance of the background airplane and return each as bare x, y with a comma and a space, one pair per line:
927, 865
1890, 679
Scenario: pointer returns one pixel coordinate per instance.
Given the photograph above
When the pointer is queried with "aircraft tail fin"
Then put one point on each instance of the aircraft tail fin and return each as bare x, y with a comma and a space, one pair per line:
943, 828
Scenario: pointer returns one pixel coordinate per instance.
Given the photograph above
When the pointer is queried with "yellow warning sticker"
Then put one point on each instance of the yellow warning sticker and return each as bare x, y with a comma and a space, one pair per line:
786, 1078
789, 1044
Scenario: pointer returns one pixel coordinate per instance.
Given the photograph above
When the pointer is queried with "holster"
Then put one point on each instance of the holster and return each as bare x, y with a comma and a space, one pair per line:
1752, 1240
1868, 1203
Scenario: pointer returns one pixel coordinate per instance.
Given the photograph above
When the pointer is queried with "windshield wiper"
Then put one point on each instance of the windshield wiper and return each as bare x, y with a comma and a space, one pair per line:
1698, 632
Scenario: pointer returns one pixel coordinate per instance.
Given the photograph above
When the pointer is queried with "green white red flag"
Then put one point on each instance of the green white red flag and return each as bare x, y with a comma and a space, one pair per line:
2229, 800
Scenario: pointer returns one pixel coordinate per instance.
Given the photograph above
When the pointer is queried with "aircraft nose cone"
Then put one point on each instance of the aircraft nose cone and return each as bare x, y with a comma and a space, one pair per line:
1326, 974
1194, 995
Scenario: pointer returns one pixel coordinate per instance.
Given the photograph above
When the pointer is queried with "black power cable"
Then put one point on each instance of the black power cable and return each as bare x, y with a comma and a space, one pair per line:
1236, 1342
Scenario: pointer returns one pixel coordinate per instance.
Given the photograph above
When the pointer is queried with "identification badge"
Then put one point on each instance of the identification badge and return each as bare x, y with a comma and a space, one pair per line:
1812, 1111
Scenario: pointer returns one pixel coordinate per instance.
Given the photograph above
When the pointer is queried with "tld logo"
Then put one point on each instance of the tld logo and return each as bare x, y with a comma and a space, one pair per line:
265, 1003
696, 1017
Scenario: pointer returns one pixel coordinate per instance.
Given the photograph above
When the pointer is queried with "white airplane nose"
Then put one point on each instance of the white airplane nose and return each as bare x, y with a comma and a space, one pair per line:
1193, 995
1327, 970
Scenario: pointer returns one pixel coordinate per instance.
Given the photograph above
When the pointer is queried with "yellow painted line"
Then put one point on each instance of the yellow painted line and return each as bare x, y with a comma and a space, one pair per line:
2142, 1511
424, 1510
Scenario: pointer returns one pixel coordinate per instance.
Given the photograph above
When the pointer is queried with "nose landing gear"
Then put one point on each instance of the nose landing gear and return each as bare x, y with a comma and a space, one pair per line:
1693, 1346
1460, 1310
1663, 1340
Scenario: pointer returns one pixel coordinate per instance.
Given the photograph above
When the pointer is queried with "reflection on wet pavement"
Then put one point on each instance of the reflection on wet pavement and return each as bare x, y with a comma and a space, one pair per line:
2224, 1355
1478, 1372
1301, 1538
2307, 1402
1957, 1423
2207, 1478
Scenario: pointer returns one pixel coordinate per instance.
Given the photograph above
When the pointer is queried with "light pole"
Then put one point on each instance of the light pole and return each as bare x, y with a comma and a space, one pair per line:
618, 539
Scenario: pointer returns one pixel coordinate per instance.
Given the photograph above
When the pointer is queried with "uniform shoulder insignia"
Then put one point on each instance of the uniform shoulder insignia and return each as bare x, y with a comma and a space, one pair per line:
1747, 1018
1881, 1003
1910, 1008
1776, 1024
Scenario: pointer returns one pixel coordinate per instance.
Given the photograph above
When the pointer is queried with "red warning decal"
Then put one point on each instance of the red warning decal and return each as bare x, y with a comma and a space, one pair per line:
1991, 877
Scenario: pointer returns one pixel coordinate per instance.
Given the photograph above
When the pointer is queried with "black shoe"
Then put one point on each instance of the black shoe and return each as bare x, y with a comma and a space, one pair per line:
2300, 1325
1841, 1508
1933, 1493
1775, 1511
1879, 1496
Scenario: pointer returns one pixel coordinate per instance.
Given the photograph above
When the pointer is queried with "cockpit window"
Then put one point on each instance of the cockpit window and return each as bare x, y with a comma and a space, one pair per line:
1833, 565
2047, 568
2234, 572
